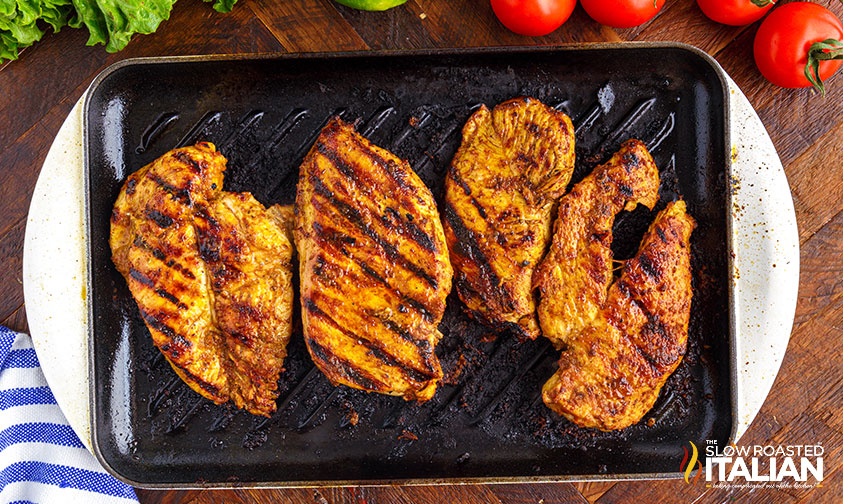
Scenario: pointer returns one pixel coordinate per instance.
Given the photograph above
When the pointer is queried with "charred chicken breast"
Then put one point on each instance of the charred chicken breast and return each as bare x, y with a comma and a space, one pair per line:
573, 279
373, 265
612, 371
514, 163
211, 273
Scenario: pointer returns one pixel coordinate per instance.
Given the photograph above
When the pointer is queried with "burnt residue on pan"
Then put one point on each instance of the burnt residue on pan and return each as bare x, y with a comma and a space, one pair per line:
487, 419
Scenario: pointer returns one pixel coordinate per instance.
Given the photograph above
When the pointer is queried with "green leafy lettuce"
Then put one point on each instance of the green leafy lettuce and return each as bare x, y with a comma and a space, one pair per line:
109, 22
22, 22
113, 22
222, 5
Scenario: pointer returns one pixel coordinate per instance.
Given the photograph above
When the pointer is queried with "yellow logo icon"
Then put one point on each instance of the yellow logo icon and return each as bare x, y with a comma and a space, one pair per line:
688, 466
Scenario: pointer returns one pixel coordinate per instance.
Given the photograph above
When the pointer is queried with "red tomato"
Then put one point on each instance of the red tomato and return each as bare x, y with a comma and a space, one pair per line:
784, 40
533, 17
734, 12
622, 13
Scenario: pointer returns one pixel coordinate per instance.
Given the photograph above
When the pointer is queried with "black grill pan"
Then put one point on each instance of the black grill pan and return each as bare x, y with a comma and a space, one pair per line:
487, 422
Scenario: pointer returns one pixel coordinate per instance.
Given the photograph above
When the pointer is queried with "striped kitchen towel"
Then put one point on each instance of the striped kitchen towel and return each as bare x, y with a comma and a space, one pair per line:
41, 458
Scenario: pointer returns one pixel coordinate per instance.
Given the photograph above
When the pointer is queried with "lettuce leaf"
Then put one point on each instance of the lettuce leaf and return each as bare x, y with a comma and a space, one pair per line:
222, 5
109, 22
113, 22
19, 22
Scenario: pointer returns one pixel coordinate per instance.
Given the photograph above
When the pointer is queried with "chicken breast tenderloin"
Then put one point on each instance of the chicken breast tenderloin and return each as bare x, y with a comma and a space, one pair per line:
610, 374
573, 278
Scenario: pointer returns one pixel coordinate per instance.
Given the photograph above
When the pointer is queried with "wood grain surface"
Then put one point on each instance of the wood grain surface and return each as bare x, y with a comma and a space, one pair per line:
806, 403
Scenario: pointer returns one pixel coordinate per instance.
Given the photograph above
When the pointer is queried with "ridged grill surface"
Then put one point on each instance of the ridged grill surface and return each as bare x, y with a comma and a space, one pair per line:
487, 418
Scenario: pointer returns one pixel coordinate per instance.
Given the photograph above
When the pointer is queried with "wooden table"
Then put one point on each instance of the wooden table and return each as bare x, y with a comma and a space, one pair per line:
806, 403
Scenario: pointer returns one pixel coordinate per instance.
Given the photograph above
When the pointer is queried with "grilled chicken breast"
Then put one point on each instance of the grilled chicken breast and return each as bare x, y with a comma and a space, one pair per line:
211, 273
611, 373
374, 266
514, 163
573, 279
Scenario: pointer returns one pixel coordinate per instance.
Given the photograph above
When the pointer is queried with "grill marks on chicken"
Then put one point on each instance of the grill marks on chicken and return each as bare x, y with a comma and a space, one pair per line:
373, 266
612, 371
211, 273
514, 163
621, 342
573, 279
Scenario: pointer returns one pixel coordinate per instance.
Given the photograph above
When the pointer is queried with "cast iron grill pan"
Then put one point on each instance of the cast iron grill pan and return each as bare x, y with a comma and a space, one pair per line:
487, 419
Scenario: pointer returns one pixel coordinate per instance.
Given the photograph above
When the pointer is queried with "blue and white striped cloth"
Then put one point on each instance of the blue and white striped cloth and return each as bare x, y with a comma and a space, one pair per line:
41, 458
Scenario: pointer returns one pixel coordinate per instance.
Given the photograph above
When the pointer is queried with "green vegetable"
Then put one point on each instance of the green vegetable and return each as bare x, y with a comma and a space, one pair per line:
113, 22
222, 5
371, 5
19, 22
109, 22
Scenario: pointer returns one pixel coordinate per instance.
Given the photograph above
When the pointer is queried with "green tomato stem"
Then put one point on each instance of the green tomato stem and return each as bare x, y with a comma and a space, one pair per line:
827, 50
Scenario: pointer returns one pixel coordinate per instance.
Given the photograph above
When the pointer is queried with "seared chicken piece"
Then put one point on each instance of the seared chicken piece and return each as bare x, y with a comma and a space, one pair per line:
573, 278
374, 266
211, 273
513, 165
249, 253
611, 373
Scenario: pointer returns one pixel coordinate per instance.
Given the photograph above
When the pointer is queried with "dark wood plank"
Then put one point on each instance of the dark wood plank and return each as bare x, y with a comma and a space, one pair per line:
476, 494
593, 490
815, 168
579, 29
472, 494
810, 427
830, 493
17, 320
38, 64
20, 164
819, 423
409, 25
11, 274
547, 493
294, 22
648, 491
824, 284
171, 497
804, 378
